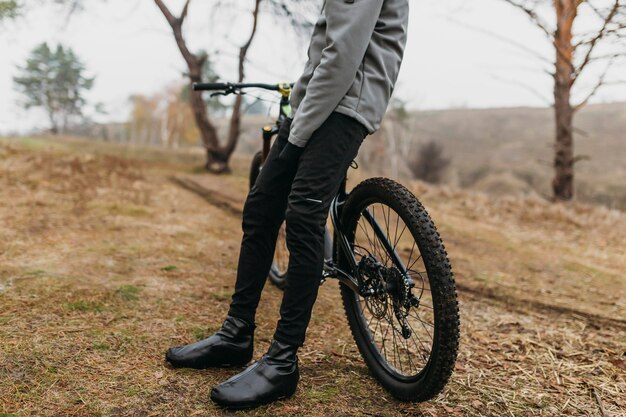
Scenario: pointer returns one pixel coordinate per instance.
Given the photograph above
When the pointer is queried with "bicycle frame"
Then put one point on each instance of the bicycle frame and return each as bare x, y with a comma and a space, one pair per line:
331, 270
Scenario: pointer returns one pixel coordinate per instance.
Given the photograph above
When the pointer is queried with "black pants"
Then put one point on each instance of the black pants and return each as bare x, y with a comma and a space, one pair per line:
298, 191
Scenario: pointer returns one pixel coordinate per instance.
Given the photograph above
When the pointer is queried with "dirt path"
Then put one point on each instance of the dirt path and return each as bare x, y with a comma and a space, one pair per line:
106, 261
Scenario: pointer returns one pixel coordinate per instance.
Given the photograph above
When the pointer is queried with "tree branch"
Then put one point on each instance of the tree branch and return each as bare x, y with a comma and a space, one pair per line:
243, 51
594, 90
176, 24
166, 12
525, 87
596, 39
183, 14
235, 120
506, 40
534, 17
300, 14
544, 27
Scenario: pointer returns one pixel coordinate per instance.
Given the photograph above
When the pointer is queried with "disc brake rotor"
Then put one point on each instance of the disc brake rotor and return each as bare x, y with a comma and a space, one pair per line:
373, 286
381, 283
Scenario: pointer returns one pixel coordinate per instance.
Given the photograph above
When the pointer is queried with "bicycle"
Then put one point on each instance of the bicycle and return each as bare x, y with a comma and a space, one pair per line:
382, 284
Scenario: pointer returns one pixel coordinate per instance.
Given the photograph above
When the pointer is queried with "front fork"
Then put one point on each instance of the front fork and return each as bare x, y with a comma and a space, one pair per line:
268, 133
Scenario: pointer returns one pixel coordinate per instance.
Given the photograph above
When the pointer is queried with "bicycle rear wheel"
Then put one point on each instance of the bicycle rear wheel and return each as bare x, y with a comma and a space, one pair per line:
407, 327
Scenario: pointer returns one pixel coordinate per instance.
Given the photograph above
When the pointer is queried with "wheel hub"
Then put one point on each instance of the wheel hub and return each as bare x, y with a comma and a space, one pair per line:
381, 283
373, 286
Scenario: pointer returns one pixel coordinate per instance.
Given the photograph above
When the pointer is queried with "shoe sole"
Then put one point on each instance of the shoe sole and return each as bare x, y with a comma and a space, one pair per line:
220, 366
251, 405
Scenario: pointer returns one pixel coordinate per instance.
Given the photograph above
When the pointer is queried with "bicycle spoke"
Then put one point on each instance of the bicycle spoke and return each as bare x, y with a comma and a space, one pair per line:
411, 255
417, 259
416, 317
406, 346
384, 339
420, 341
367, 236
395, 244
406, 357
395, 348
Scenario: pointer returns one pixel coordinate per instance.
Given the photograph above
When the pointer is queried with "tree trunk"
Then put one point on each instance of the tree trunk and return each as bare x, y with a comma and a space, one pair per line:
217, 156
563, 182
208, 133
54, 127
234, 131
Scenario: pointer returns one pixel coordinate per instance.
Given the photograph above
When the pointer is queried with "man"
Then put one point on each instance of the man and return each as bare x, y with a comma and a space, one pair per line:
354, 60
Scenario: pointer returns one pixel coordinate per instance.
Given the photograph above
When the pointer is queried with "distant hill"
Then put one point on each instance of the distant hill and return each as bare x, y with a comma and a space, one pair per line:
517, 136
517, 143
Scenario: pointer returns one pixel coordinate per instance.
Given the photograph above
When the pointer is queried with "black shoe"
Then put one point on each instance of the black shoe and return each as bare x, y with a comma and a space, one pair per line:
232, 345
272, 378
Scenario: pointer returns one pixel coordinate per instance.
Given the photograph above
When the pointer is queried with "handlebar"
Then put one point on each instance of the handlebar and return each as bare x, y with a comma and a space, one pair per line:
230, 87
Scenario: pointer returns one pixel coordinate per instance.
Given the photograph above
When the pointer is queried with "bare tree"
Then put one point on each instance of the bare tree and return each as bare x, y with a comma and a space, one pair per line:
575, 52
218, 155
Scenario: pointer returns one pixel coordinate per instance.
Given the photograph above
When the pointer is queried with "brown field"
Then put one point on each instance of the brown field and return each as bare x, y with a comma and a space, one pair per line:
109, 254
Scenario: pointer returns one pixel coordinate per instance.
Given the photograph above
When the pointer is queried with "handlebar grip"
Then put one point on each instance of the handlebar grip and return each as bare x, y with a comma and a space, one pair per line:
209, 86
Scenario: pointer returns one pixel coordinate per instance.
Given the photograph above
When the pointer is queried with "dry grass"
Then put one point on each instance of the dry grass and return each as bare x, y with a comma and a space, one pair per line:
105, 262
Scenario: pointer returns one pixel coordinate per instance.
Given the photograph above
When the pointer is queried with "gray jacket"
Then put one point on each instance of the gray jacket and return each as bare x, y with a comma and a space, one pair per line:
354, 59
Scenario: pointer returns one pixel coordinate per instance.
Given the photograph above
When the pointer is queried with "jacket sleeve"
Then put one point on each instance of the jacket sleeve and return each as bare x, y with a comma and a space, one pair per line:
349, 28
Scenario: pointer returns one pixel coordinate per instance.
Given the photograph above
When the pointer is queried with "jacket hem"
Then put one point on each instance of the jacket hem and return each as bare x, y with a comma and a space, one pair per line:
356, 115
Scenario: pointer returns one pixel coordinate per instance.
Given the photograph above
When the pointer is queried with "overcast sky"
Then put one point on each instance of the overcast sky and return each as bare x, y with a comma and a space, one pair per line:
451, 59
